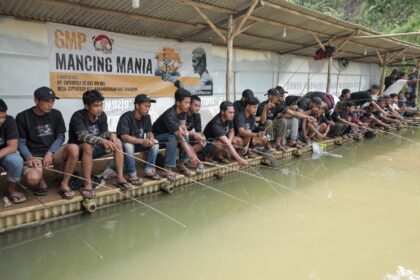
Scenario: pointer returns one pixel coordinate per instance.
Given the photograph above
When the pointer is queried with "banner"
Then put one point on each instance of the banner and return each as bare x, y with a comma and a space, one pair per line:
121, 65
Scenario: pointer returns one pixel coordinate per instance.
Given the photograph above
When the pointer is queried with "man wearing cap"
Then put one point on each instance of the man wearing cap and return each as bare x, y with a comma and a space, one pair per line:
267, 112
41, 137
391, 78
291, 116
135, 131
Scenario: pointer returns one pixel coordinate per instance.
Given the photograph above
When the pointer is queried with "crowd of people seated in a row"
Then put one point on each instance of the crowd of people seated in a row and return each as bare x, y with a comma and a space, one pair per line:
34, 141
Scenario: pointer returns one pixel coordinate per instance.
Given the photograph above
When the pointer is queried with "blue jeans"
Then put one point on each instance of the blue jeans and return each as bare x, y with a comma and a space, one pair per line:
171, 146
130, 162
13, 164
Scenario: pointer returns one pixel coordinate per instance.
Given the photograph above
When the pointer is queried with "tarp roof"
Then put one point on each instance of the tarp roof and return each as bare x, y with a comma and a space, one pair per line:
179, 20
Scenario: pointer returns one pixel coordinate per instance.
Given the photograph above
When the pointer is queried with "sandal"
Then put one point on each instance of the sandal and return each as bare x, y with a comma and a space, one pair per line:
135, 181
87, 193
170, 176
281, 148
185, 171
66, 194
252, 154
17, 197
123, 185
41, 191
223, 160
152, 175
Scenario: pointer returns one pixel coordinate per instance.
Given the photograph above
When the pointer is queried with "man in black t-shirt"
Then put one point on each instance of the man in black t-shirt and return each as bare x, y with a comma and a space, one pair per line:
135, 131
221, 136
193, 123
239, 105
392, 78
268, 111
171, 129
89, 130
245, 127
41, 138
10, 160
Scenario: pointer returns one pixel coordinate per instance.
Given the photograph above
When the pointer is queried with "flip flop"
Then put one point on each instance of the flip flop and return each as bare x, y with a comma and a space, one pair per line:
152, 175
66, 194
91, 193
185, 171
136, 181
222, 160
122, 185
171, 177
40, 191
17, 197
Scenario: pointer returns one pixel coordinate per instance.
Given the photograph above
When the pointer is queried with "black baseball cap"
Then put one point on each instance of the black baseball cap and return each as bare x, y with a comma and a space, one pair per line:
317, 100
281, 90
45, 93
273, 92
143, 98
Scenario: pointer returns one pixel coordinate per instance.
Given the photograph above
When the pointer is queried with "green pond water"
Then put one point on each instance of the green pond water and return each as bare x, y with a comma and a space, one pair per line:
355, 217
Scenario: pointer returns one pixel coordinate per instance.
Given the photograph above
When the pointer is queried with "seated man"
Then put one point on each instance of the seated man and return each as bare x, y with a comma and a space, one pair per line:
267, 112
343, 114
345, 95
135, 131
170, 128
41, 135
89, 130
220, 133
245, 126
393, 108
385, 103
239, 105
318, 128
193, 123
10, 160
291, 115
339, 128
371, 115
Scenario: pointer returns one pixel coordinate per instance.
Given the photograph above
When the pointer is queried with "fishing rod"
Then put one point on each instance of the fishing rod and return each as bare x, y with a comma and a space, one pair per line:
267, 180
197, 182
126, 195
36, 197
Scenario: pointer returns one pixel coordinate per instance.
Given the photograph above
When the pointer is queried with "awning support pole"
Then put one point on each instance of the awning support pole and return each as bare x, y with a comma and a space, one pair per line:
229, 57
384, 65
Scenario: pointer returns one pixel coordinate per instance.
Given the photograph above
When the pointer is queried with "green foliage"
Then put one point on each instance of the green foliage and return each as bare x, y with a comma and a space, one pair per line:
386, 16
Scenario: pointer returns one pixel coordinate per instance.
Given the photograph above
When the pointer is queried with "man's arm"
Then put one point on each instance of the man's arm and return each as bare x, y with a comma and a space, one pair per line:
231, 150
11, 147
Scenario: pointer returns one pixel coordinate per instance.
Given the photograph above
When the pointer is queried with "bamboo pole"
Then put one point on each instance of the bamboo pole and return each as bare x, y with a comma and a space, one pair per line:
229, 57
245, 18
210, 23
330, 61
417, 84
318, 41
386, 35
384, 65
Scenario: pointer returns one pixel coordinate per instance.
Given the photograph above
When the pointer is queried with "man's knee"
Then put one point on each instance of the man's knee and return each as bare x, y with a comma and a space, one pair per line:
33, 177
117, 143
128, 147
87, 149
72, 150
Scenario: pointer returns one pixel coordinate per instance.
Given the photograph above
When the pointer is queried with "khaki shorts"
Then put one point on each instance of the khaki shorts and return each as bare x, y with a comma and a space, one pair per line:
58, 162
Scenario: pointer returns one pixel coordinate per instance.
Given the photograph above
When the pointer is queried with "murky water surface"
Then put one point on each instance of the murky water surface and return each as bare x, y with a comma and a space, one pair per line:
355, 217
